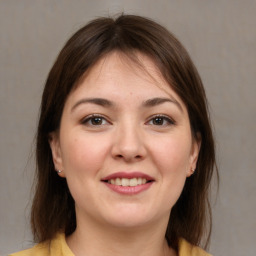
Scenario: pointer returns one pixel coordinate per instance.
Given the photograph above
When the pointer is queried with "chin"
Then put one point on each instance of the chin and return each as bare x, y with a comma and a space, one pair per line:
127, 223
129, 218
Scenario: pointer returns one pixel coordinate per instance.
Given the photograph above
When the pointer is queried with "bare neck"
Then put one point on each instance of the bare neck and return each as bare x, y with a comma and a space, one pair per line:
95, 239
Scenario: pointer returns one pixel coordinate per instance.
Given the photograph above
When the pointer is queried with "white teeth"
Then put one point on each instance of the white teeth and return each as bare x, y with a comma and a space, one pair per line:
127, 182
133, 182
118, 182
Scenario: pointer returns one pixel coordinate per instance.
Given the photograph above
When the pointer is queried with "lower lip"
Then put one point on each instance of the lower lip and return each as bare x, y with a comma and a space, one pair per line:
129, 190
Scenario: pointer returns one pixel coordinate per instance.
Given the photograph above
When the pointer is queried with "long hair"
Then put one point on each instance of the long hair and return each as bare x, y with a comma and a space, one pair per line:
53, 206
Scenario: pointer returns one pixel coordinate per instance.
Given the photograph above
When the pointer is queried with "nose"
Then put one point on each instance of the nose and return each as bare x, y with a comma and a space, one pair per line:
129, 144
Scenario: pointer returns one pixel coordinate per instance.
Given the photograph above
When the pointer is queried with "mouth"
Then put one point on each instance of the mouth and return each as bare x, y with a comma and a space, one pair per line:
128, 179
128, 182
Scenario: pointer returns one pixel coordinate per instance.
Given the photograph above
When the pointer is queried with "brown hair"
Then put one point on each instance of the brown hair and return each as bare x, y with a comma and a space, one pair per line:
53, 206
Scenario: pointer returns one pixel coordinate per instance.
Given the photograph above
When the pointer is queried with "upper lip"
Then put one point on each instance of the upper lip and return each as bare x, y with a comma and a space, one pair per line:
128, 175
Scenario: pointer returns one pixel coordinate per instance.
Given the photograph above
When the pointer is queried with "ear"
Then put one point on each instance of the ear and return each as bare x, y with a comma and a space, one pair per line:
195, 149
56, 153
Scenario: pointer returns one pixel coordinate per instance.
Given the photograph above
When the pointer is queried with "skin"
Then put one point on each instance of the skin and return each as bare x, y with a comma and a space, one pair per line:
126, 136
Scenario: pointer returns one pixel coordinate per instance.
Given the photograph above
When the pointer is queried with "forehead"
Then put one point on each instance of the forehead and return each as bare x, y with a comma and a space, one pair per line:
122, 74
117, 64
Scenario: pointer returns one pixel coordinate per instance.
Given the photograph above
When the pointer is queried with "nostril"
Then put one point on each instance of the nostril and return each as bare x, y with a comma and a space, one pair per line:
135, 157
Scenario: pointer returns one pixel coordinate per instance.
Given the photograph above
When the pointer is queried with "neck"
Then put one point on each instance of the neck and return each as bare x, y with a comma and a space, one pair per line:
94, 239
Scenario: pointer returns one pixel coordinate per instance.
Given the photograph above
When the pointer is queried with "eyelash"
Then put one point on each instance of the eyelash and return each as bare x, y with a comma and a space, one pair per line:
165, 120
89, 118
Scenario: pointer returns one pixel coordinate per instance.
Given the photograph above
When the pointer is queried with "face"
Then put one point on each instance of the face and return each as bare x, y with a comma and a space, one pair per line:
125, 144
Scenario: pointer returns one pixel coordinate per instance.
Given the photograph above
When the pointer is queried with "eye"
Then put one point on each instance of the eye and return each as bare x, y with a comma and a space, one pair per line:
161, 120
94, 120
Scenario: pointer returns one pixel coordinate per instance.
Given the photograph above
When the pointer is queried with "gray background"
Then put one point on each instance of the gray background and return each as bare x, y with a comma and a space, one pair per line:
221, 38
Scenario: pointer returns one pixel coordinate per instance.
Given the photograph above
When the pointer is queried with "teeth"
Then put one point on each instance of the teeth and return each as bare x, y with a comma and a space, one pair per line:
133, 182
127, 182
118, 182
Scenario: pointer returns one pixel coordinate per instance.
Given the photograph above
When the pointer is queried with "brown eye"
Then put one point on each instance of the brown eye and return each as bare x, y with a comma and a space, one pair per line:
161, 120
94, 120
158, 121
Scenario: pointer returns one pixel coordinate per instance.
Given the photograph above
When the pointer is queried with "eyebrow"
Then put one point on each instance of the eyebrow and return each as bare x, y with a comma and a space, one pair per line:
97, 101
107, 103
158, 101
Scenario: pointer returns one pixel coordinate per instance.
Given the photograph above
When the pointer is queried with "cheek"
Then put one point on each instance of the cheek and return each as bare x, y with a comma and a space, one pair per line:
173, 155
83, 154
172, 160
83, 158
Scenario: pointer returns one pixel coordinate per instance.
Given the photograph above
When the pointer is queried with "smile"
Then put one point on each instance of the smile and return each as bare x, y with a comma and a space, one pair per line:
128, 182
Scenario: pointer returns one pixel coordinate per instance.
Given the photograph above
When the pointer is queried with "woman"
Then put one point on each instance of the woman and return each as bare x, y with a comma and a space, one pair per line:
125, 152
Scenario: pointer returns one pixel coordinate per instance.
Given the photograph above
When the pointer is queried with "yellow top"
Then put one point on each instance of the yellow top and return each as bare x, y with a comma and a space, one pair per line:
59, 247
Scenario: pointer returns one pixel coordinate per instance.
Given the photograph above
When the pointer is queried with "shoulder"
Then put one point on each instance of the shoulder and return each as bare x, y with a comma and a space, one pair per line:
187, 249
41, 249
55, 247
